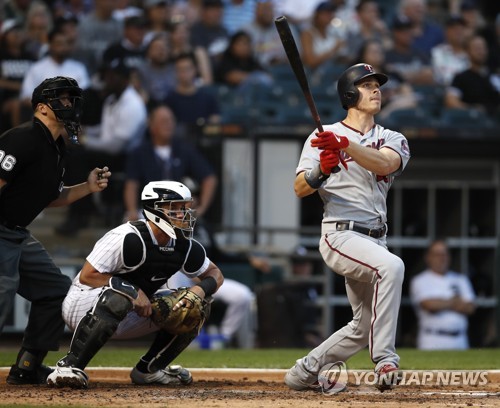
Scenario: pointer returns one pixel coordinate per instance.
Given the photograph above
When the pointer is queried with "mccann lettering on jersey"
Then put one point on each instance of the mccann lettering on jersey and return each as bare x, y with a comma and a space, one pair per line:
166, 248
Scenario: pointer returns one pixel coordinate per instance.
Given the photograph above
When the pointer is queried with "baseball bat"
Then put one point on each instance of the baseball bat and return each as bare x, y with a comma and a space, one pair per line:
293, 56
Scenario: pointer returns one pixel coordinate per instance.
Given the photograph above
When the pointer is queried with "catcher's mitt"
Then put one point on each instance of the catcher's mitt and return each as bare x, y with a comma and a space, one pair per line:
183, 320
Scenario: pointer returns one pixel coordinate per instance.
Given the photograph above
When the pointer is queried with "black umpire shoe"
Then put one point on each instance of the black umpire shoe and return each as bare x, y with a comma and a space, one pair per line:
18, 376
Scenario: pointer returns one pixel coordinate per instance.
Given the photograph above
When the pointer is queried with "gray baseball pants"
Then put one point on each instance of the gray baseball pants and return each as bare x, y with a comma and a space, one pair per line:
374, 279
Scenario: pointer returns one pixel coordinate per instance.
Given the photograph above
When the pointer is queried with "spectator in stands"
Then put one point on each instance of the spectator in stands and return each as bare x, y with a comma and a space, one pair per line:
473, 88
157, 74
209, 32
122, 125
237, 14
187, 10
69, 26
474, 21
15, 61
491, 34
193, 106
298, 12
322, 43
180, 43
398, 94
56, 63
158, 16
370, 27
126, 9
426, 33
76, 8
410, 63
38, 26
239, 67
449, 57
17, 9
130, 49
443, 300
96, 32
266, 43
163, 155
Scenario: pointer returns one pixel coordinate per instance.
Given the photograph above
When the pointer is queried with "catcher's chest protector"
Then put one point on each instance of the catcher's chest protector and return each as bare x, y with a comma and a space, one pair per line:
160, 264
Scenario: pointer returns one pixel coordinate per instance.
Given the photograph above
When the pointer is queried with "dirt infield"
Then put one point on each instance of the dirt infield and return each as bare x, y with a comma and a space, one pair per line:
245, 388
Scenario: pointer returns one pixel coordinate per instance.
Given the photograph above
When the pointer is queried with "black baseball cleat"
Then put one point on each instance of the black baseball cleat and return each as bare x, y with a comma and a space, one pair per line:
18, 376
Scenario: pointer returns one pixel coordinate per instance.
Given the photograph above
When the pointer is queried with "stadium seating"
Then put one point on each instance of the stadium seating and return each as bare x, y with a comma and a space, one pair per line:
466, 118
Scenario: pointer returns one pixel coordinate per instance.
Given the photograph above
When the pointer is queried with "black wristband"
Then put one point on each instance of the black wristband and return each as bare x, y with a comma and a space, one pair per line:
209, 286
315, 177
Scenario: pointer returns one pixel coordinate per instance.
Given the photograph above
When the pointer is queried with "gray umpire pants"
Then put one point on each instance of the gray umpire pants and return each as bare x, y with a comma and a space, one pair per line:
27, 268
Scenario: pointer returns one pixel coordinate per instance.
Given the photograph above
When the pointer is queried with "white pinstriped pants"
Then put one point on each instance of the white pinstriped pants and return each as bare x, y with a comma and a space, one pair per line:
79, 301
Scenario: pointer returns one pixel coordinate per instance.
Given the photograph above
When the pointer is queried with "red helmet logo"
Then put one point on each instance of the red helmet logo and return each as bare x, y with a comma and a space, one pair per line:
369, 68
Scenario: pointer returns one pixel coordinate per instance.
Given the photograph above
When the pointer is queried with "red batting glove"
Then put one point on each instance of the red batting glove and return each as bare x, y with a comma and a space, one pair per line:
328, 160
329, 141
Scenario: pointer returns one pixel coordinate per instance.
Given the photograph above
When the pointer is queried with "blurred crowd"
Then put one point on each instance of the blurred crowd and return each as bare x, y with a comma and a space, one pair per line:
221, 61
199, 56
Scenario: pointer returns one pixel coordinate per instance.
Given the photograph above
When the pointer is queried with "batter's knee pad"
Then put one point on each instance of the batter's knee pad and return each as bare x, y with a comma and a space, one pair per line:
96, 327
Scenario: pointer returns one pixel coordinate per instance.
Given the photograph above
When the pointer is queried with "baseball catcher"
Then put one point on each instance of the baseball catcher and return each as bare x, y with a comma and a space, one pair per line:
121, 292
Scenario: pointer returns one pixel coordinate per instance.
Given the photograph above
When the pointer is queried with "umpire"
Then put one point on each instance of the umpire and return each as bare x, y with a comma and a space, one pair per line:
32, 165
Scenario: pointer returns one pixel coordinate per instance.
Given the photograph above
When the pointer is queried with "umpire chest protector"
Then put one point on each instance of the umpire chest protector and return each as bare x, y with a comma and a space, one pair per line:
160, 263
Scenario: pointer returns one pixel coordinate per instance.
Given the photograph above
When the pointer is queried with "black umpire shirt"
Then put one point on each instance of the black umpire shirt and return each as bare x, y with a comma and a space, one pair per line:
33, 165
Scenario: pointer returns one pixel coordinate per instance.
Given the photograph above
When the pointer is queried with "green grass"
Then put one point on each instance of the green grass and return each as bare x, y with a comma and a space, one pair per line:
411, 359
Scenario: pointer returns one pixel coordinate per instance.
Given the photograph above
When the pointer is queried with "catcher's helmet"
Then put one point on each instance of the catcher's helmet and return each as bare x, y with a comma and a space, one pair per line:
346, 85
167, 205
51, 91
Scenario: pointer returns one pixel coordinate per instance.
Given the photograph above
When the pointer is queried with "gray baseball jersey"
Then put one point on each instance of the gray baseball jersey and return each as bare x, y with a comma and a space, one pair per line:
357, 194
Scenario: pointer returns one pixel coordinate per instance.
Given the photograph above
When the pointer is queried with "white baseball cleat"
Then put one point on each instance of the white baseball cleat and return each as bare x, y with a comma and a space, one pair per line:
174, 374
68, 377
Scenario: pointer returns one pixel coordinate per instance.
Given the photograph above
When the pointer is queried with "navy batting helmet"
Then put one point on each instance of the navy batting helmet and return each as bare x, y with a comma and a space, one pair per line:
346, 85
50, 92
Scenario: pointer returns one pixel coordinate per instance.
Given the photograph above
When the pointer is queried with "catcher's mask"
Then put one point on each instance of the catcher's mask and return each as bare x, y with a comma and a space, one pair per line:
64, 97
167, 204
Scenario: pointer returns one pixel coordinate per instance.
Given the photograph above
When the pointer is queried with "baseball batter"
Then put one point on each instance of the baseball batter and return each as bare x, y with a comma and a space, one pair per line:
111, 296
354, 227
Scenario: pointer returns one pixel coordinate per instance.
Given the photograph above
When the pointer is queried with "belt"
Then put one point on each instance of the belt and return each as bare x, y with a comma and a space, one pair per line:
450, 333
352, 226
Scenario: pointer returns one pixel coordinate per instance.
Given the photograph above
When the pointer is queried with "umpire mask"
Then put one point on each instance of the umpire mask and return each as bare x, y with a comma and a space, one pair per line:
64, 97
